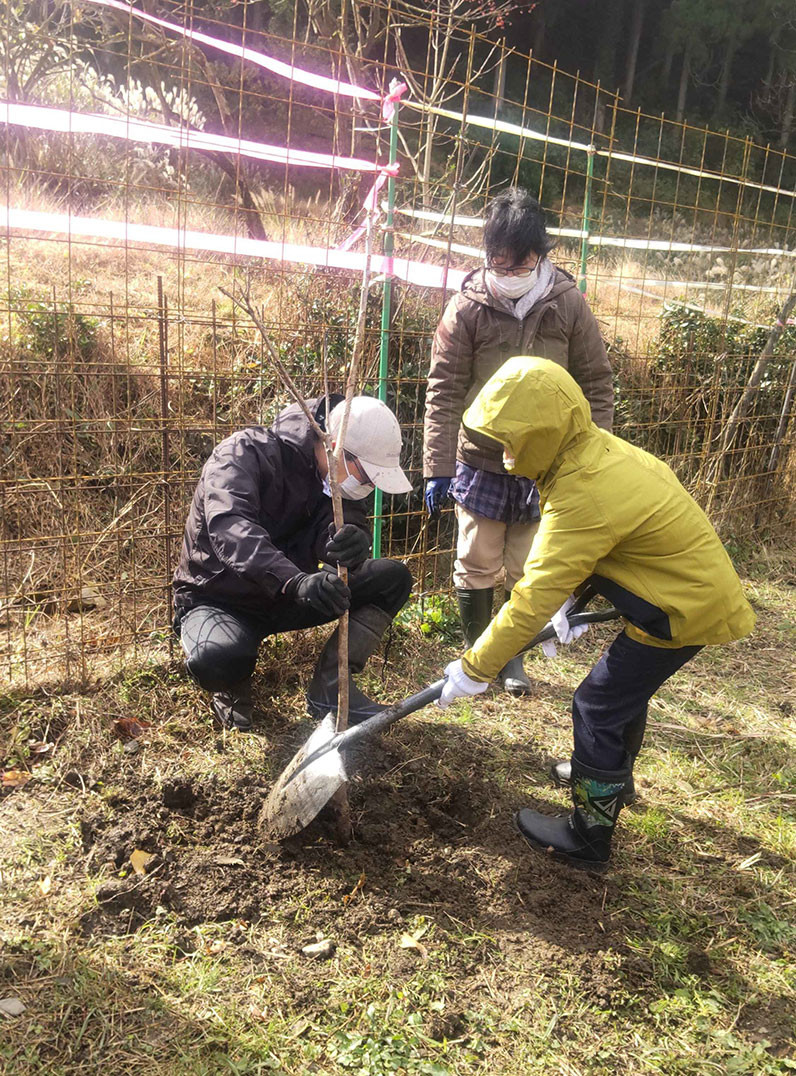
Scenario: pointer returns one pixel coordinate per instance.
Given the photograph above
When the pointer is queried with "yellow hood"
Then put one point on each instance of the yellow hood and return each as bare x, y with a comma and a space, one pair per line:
535, 409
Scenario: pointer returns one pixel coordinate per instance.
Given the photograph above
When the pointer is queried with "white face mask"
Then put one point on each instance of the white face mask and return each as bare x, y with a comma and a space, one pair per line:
353, 490
511, 287
350, 487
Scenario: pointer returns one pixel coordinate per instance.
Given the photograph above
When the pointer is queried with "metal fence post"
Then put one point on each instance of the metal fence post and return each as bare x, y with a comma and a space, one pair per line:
386, 315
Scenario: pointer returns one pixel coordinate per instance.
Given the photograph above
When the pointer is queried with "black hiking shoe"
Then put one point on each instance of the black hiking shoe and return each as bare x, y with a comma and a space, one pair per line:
233, 709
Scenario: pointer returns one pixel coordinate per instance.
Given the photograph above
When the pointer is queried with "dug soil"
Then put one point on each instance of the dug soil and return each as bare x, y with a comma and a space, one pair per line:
424, 844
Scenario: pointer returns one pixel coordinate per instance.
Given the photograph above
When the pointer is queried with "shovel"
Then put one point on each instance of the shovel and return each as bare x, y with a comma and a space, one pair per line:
317, 770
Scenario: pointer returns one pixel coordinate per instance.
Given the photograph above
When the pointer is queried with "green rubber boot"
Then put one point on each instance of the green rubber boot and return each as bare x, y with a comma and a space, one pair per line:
475, 611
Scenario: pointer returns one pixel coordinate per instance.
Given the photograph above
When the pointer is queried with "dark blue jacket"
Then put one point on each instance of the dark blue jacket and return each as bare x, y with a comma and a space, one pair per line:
259, 515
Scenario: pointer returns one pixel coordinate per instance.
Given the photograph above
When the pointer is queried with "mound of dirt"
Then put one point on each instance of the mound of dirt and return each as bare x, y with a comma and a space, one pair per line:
425, 843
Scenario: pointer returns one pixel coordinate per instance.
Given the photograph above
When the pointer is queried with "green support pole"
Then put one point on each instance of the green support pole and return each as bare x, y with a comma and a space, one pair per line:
386, 315
584, 243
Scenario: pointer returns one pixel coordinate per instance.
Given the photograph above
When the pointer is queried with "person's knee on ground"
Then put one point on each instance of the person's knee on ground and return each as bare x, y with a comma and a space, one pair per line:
220, 654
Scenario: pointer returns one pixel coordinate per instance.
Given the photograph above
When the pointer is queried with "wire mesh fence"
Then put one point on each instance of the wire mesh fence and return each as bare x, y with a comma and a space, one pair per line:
150, 164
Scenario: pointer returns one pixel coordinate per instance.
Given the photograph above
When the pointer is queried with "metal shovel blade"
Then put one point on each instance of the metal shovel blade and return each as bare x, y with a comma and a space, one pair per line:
304, 787
317, 770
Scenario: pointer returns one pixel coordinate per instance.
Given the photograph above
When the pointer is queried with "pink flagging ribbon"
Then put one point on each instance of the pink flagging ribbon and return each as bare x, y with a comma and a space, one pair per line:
370, 207
278, 67
783, 324
62, 224
396, 92
355, 236
135, 130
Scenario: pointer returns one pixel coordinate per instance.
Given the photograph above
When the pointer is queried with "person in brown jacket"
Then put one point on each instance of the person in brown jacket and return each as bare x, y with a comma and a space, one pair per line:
518, 303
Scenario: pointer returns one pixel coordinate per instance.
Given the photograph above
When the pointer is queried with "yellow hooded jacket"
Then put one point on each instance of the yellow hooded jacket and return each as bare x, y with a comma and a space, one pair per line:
611, 513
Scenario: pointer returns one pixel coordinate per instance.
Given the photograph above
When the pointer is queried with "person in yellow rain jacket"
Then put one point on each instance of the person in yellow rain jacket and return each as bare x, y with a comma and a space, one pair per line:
617, 517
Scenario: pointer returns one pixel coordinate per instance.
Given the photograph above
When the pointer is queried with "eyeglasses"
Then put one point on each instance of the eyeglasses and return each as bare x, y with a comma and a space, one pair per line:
511, 270
360, 473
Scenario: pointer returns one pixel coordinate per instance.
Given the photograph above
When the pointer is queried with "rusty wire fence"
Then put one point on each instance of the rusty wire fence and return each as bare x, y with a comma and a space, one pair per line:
143, 175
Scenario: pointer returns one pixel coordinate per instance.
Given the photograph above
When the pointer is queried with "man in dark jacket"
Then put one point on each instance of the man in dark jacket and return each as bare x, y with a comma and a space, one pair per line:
260, 552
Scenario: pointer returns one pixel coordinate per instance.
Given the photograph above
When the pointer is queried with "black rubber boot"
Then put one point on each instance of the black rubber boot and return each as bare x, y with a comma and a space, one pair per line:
475, 611
561, 772
233, 708
366, 626
512, 675
584, 838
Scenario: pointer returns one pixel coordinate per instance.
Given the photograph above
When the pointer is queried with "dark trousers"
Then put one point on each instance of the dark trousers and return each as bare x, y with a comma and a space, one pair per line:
221, 643
609, 710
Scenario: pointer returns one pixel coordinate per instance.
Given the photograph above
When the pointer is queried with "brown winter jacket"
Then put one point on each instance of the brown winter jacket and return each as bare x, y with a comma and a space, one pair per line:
476, 336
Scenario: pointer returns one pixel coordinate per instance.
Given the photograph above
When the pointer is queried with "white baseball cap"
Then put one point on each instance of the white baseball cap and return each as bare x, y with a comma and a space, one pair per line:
374, 437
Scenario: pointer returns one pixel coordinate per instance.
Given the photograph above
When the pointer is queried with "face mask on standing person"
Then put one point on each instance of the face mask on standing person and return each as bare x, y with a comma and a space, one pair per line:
508, 281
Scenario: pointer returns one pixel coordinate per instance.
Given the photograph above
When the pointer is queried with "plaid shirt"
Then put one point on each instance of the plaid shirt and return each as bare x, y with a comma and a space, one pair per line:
505, 497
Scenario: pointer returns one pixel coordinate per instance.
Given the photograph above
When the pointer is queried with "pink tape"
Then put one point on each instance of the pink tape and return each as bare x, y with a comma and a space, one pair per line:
355, 236
397, 90
318, 82
370, 207
135, 130
142, 130
180, 239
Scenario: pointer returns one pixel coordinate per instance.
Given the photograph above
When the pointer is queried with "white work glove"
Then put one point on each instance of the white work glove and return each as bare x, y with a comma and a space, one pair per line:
458, 685
564, 630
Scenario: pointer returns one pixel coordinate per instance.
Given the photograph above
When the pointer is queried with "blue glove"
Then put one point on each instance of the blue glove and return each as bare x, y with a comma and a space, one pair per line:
436, 491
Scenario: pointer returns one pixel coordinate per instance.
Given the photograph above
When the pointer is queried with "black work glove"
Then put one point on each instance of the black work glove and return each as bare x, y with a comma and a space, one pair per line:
349, 546
321, 591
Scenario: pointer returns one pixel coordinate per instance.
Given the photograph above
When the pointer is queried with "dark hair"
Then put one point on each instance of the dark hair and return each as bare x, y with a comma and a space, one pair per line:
514, 226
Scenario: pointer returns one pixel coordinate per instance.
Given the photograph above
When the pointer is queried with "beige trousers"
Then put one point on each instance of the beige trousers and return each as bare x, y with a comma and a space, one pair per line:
487, 547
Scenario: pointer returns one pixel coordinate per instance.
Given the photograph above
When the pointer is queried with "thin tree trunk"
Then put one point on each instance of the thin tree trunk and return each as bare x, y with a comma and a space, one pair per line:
685, 75
726, 70
254, 224
539, 32
768, 78
499, 85
741, 409
668, 63
608, 44
787, 114
636, 27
